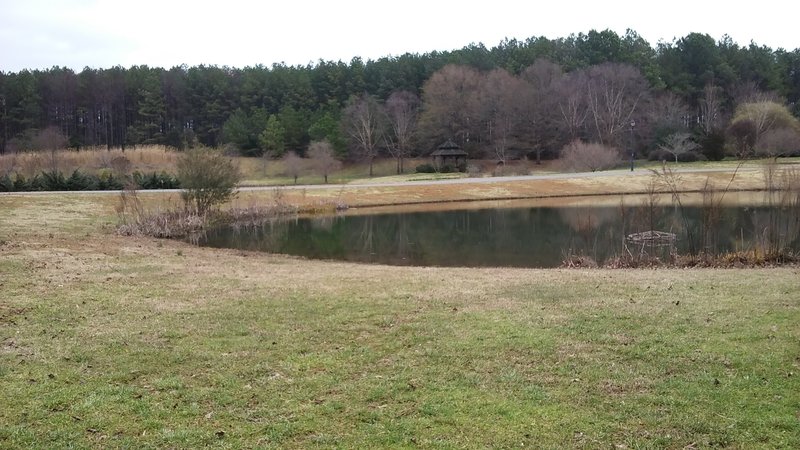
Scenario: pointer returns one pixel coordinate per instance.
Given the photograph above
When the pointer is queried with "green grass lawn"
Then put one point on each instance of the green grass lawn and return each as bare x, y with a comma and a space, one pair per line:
108, 341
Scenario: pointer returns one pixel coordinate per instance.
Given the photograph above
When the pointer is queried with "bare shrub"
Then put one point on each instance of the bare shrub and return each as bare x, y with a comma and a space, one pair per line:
742, 136
581, 156
208, 178
51, 139
120, 165
8, 165
129, 209
779, 142
322, 160
293, 165
780, 225
678, 144
31, 164
579, 262
136, 220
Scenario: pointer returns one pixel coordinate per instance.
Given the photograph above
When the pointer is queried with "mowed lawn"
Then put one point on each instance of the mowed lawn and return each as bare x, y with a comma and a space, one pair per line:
109, 341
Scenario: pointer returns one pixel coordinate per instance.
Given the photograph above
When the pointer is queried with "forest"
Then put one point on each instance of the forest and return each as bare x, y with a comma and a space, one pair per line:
517, 99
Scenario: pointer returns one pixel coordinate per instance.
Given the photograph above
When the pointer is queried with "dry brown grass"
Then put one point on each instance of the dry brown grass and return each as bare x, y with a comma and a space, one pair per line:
617, 183
144, 159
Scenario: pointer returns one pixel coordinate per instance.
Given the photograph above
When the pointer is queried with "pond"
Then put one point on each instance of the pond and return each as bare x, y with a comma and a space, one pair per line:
533, 233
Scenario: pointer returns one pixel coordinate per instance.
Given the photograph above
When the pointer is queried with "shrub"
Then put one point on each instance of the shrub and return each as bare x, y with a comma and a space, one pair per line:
778, 142
659, 155
713, 145
120, 165
155, 180
37, 183
106, 181
21, 184
6, 184
446, 168
582, 156
426, 168
80, 182
208, 178
54, 181
743, 135
691, 157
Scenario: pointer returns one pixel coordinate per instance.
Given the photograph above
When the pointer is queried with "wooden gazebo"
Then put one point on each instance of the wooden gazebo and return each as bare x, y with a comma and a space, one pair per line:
449, 154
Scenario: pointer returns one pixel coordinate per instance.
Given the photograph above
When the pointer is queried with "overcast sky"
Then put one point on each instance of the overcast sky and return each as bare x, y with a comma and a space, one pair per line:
38, 34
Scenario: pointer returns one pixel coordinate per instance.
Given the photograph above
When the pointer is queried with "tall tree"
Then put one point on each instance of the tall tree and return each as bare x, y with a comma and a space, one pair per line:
402, 110
710, 105
500, 109
273, 138
572, 103
326, 126
364, 120
151, 110
538, 105
244, 130
614, 93
450, 106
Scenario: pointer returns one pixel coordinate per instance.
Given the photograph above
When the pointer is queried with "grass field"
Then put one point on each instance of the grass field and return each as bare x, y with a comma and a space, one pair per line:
107, 341
266, 172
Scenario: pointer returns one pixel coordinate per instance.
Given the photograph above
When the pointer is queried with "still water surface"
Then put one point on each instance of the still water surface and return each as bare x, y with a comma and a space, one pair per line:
511, 234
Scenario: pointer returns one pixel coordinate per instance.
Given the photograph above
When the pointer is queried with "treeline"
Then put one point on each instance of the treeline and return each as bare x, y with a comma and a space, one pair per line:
527, 96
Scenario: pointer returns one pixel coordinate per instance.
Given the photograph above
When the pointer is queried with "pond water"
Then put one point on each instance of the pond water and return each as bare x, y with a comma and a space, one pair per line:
518, 234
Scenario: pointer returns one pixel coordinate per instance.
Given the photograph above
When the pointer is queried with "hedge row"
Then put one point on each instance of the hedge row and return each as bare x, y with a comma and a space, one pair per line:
79, 181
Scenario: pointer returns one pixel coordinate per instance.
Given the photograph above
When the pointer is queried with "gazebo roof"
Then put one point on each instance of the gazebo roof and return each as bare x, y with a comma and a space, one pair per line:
449, 148
449, 145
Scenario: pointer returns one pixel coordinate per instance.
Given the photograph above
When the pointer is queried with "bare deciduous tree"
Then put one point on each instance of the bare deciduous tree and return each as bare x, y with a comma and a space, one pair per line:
710, 108
750, 92
583, 156
670, 111
500, 109
766, 116
614, 93
364, 120
450, 103
572, 106
538, 103
293, 165
321, 157
51, 139
678, 143
402, 109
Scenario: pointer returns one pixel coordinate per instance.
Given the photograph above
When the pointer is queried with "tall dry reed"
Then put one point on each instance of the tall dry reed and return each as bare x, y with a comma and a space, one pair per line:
153, 158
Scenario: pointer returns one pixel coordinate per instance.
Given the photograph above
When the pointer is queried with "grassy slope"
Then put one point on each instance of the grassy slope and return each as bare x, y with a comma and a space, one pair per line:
111, 341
